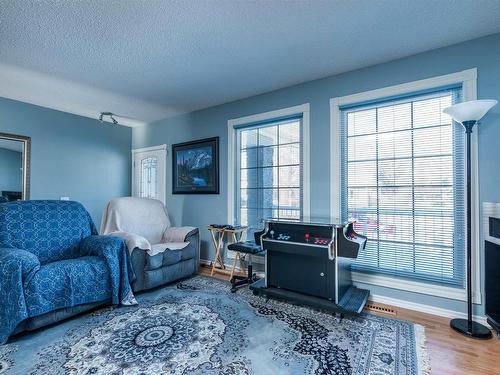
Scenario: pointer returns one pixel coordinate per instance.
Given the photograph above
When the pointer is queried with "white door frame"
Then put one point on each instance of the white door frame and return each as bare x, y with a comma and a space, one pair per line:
163, 148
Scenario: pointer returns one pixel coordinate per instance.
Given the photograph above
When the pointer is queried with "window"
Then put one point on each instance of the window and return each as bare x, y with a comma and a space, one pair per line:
402, 172
269, 172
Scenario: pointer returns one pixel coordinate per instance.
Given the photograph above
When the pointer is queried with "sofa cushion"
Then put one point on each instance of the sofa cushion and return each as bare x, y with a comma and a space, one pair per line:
165, 258
67, 283
170, 257
165, 275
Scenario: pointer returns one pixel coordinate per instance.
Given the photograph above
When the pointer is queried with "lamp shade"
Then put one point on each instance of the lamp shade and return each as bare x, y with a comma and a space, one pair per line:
473, 110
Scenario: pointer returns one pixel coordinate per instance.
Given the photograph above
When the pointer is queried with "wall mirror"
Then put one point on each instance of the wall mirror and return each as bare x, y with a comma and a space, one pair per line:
15, 153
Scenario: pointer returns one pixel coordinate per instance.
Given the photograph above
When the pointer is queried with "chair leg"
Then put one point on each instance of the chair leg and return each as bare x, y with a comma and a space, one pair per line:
237, 281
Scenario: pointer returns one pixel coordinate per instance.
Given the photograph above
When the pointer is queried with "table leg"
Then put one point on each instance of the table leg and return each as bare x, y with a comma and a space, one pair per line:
242, 263
236, 257
214, 241
218, 241
240, 237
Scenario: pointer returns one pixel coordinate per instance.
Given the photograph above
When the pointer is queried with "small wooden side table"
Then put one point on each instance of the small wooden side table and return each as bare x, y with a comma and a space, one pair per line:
236, 234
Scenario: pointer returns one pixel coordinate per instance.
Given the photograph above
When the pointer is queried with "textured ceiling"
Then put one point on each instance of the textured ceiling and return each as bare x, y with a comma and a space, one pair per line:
168, 57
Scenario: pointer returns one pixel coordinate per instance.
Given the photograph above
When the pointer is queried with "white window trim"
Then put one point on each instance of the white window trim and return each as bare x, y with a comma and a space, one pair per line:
152, 148
468, 79
163, 148
303, 110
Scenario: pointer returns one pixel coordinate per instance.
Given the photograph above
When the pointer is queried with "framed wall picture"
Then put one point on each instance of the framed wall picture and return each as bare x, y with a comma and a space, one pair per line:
195, 167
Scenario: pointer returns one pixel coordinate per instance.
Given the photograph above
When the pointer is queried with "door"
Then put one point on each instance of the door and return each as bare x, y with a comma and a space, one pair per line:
148, 172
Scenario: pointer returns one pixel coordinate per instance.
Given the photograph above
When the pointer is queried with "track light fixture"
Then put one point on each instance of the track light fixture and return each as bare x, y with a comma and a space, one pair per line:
107, 114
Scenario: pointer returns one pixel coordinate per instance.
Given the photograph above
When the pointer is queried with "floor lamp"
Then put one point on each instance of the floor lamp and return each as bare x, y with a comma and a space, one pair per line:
468, 114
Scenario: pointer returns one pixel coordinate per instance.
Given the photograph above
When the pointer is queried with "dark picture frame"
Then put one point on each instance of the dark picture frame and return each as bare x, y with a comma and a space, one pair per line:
195, 167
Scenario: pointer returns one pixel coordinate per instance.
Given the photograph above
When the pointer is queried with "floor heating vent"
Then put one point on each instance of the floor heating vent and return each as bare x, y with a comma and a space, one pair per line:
370, 306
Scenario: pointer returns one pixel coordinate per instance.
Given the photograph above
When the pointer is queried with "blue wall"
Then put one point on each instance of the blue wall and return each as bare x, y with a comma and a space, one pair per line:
72, 156
483, 53
11, 175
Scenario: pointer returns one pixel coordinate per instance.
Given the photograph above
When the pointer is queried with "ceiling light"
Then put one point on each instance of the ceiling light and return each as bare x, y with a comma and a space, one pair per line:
107, 114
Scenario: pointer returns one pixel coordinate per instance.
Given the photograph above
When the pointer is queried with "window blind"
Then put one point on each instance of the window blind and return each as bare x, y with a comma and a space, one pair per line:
403, 181
269, 172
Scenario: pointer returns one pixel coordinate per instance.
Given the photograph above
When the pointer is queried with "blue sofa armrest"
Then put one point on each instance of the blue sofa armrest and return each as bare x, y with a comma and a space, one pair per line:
15, 260
193, 234
114, 251
193, 238
99, 246
17, 267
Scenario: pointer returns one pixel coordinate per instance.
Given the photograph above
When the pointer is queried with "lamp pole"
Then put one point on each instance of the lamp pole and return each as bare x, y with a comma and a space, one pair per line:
468, 114
469, 125
469, 327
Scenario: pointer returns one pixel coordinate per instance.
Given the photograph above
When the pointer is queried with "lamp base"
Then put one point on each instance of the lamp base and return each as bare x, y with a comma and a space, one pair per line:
477, 331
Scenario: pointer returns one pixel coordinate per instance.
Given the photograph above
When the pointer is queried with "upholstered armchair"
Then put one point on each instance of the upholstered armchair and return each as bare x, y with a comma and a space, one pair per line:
54, 265
159, 252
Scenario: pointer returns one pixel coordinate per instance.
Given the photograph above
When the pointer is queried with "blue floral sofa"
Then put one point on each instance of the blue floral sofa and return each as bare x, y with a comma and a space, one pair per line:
54, 265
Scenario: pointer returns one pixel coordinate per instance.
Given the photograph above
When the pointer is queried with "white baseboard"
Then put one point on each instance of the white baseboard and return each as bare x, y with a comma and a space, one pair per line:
255, 259
415, 286
427, 309
419, 307
206, 262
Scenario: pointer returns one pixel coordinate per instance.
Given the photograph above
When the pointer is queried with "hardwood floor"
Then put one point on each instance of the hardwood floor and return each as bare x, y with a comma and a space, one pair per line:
451, 353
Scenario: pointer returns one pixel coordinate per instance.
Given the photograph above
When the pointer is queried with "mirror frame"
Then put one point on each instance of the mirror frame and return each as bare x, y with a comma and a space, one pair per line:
26, 160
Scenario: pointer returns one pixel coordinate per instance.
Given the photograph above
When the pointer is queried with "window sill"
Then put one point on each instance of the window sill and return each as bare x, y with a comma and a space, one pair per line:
416, 287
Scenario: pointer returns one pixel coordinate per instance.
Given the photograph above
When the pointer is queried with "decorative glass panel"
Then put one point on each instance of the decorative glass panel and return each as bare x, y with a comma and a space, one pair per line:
149, 178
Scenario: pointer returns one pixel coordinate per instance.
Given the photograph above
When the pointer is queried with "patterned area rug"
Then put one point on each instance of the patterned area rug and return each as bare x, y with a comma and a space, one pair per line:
198, 327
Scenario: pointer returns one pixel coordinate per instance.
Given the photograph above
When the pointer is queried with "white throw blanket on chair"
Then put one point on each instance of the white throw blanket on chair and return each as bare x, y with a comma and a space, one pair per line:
144, 224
